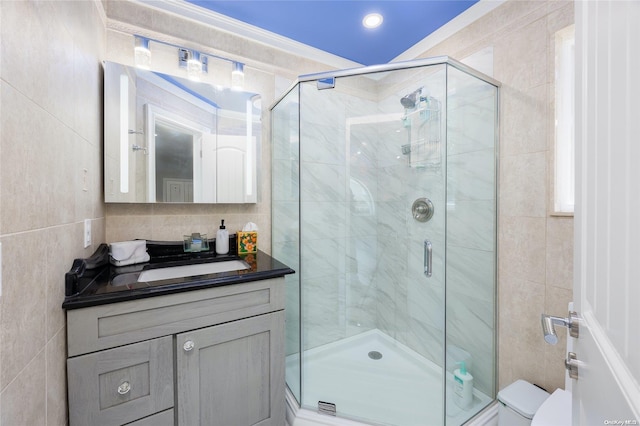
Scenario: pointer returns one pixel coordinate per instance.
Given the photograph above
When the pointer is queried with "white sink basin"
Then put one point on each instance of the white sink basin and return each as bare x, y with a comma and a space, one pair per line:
192, 270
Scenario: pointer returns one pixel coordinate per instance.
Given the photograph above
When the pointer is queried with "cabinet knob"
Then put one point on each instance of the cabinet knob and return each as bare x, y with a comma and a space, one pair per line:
124, 388
188, 345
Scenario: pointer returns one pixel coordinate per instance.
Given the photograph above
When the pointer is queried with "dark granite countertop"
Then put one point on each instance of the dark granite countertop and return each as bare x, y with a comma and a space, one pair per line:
90, 281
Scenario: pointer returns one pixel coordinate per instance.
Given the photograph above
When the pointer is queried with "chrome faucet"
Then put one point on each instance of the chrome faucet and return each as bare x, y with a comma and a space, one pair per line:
549, 322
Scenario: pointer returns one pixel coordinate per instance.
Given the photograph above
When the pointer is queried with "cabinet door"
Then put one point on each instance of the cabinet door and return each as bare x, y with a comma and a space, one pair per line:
232, 374
120, 385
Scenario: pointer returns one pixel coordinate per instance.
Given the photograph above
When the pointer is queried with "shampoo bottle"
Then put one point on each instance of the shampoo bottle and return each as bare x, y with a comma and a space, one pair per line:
222, 240
463, 386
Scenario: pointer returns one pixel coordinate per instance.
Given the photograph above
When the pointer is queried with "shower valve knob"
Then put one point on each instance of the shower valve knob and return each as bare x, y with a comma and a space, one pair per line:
422, 209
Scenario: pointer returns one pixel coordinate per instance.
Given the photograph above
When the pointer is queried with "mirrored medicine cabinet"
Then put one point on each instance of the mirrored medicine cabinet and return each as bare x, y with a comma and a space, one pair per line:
168, 139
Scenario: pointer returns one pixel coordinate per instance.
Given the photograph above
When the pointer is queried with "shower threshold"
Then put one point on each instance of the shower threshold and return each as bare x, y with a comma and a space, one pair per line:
399, 388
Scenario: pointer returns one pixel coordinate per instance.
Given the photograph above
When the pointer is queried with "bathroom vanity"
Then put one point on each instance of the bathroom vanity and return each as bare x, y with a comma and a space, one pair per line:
187, 350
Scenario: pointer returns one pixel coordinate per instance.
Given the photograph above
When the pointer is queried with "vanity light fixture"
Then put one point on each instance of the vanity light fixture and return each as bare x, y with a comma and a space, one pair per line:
142, 53
372, 20
237, 76
195, 62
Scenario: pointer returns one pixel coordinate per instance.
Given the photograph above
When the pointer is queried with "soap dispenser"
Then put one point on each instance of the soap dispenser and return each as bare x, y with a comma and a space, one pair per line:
222, 240
463, 386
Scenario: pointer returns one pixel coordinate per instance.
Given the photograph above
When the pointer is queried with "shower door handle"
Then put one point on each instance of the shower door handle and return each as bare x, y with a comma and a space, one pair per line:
428, 258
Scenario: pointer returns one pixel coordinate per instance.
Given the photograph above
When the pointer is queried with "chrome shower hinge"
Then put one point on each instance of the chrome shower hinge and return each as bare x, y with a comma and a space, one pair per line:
328, 408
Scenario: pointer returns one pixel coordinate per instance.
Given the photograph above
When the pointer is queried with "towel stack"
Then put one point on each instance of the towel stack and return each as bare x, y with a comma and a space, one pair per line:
128, 252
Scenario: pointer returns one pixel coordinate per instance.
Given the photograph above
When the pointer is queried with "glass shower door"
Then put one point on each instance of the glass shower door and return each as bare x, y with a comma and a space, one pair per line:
472, 111
285, 222
373, 322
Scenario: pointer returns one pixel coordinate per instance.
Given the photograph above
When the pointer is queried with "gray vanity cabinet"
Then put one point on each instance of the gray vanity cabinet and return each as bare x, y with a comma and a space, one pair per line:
213, 356
230, 374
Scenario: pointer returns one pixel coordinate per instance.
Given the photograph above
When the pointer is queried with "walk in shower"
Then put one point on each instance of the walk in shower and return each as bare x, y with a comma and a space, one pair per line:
384, 202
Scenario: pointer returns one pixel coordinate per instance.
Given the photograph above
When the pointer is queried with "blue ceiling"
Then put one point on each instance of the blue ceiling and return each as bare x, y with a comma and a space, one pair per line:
336, 26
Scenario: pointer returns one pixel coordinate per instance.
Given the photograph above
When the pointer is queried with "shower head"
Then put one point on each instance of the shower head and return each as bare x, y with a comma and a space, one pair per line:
410, 100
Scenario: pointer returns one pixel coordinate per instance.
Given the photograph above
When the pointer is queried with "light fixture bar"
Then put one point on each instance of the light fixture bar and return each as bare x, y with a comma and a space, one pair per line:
184, 54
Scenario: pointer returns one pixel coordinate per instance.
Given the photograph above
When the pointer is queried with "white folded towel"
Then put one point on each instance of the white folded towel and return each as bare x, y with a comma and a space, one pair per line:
128, 252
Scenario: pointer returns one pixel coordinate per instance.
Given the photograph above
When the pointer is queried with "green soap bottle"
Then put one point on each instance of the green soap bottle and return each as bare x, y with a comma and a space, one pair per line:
462, 386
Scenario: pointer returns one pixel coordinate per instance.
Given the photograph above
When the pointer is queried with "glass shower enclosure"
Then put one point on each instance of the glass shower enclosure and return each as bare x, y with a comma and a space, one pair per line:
384, 202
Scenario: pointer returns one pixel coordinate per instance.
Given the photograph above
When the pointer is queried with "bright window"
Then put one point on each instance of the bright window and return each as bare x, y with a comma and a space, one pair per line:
564, 168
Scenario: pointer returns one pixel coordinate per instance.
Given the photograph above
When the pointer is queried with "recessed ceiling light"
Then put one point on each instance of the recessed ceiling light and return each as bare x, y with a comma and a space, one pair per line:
372, 20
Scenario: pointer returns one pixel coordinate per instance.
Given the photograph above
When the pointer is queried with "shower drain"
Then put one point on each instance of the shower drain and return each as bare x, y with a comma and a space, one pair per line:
375, 355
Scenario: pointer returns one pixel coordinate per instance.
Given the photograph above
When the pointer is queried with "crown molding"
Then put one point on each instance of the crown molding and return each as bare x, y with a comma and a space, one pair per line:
233, 26
461, 21
101, 12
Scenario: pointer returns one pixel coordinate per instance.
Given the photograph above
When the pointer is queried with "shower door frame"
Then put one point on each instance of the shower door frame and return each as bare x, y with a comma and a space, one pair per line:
393, 66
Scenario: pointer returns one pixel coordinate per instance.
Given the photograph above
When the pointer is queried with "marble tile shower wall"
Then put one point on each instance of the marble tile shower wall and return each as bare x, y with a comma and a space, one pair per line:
50, 170
364, 254
410, 305
334, 241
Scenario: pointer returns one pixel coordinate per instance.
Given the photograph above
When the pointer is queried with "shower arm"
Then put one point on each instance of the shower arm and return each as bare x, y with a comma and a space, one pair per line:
549, 322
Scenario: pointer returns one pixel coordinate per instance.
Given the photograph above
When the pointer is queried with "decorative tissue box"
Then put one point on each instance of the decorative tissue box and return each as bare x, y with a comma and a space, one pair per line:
247, 242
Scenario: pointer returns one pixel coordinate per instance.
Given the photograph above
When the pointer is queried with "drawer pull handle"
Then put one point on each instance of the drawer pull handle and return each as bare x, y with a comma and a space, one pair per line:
188, 345
124, 388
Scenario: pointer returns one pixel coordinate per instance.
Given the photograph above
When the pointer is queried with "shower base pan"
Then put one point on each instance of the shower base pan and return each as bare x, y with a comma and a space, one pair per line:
373, 379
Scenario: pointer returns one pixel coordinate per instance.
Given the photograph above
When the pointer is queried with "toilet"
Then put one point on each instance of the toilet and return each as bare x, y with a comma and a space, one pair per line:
523, 404
555, 410
519, 402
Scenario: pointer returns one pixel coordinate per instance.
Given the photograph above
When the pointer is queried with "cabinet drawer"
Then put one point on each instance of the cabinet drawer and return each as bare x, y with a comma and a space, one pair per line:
107, 326
161, 419
120, 385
